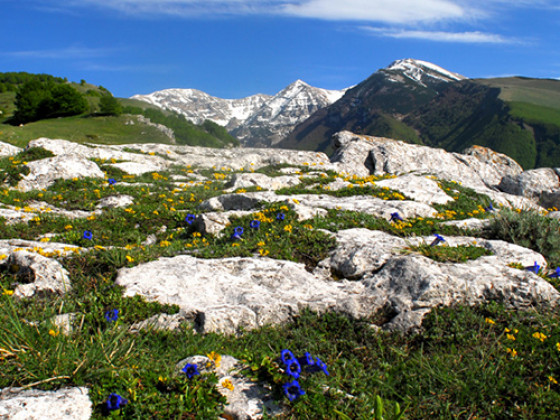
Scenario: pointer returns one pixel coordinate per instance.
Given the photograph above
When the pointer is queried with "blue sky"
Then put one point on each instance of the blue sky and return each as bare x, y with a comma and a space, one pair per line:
236, 48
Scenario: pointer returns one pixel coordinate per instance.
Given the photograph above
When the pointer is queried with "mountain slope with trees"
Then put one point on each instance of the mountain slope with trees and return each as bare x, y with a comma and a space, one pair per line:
516, 116
37, 105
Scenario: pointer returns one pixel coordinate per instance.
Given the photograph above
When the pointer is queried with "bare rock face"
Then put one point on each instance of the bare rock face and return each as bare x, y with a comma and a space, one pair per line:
45, 172
361, 155
7, 149
249, 180
541, 184
32, 404
419, 188
39, 274
227, 294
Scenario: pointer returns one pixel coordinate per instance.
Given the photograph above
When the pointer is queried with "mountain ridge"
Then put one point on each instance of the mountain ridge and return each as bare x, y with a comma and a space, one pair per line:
256, 120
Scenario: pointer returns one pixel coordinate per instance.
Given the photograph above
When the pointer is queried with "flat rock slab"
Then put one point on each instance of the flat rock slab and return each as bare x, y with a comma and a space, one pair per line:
420, 188
39, 274
43, 173
377, 272
227, 294
32, 404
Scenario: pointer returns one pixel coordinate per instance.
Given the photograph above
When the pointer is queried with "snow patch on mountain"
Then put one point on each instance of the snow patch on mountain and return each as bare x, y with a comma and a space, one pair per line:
258, 120
418, 70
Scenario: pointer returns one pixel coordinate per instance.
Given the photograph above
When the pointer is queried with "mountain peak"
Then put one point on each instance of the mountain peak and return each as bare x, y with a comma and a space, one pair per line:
418, 69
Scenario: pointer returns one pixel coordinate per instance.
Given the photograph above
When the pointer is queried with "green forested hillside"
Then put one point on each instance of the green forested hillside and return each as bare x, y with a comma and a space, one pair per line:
516, 116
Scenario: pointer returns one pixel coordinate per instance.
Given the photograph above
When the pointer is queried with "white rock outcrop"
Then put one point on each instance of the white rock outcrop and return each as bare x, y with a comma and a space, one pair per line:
32, 404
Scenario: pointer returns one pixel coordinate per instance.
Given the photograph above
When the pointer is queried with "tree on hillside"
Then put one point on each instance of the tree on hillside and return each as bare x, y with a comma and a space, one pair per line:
64, 101
108, 105
36, 100
28, 99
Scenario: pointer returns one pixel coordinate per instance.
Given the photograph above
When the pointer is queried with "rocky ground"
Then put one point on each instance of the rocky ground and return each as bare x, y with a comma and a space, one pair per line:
225, 284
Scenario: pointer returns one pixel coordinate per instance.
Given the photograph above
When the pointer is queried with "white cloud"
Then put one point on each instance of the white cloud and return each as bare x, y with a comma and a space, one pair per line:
380, 11
475, 37
388, 11
68, 53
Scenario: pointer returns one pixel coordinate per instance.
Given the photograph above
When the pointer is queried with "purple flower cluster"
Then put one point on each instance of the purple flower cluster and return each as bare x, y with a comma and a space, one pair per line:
293, 367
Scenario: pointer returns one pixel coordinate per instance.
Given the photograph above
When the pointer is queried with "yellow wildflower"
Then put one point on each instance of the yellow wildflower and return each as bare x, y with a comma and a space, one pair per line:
512, 352
263, 252
68, 227
8, 292
215, 357
129, 258
45, 239
489, 321
164, 243
53, 333
554, 381
226, 383
539, 336
510, 337
558, 346
288, 228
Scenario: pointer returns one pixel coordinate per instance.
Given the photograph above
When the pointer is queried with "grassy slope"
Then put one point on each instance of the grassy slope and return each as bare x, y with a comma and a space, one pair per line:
463, 364
103, 130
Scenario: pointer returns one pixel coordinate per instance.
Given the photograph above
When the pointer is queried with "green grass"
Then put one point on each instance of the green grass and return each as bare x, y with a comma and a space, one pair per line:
463, 363
101, 130
535, 113
541, 92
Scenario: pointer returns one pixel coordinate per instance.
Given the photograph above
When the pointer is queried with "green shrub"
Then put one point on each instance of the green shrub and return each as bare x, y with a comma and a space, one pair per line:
529, 229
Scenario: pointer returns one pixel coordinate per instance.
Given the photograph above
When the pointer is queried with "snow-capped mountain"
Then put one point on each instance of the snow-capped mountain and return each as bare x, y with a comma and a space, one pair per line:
419, 71
198, 106
278, 116
258, 120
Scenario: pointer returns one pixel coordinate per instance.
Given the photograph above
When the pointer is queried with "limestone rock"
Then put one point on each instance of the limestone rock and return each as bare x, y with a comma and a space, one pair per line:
45, 172
115, 201
212, 223
247, 400
361, 251
419, 188
39, 274
531, 183
139, 168
33, 404
162, 322
227, 294
7, 149
364, 155
249, 180
410, 286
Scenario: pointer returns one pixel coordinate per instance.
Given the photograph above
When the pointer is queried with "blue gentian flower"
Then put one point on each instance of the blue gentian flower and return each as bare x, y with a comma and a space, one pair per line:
286, 355
489, 209
112, 181
191, 369
395, 217
112, 315
255, 224
556, 274
293, 368
190, 218
306, 360
293, 390
534, 268
322, 366
237, 232
437, 240
280, 216
88, 235
115, 402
